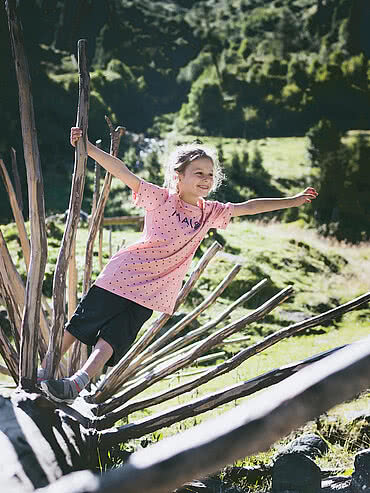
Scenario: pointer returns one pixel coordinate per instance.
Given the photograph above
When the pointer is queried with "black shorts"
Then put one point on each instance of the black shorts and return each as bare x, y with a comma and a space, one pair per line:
115, 319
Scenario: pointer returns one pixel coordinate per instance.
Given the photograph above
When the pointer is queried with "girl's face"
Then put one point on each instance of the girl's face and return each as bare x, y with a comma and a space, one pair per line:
196, 180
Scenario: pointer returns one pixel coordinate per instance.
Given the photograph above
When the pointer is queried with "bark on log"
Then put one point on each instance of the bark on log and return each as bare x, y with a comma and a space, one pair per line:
31, 316
59, 282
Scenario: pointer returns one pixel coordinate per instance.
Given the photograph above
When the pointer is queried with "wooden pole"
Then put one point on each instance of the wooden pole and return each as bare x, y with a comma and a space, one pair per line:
54, 350
97, 218
31, 316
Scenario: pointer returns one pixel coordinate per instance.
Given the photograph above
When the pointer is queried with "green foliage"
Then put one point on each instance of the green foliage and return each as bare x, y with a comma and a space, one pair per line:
343, 206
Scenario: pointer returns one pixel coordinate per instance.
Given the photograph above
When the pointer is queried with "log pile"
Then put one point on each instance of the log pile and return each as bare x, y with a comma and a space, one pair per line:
62, 439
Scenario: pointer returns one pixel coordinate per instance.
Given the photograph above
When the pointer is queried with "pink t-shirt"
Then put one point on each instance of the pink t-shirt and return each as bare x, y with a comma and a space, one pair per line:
150, 271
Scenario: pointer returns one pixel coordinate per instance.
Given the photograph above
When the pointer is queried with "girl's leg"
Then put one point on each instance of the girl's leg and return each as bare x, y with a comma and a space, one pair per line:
67, 389
97, 359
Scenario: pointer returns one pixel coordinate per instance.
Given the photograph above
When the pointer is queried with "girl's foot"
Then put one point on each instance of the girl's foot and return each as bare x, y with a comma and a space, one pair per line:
66, 389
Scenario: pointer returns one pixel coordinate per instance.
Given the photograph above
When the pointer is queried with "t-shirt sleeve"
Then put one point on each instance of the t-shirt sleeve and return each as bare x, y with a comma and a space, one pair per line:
149, 196
221, 214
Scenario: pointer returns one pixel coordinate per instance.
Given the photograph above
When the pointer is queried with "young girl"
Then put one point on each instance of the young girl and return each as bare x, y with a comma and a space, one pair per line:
148, 275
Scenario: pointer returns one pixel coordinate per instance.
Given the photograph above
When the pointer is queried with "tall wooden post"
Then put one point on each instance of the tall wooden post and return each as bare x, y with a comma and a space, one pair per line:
31, 316
78, 183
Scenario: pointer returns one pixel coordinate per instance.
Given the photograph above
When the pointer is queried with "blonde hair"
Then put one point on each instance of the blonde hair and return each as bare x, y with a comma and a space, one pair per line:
182, 156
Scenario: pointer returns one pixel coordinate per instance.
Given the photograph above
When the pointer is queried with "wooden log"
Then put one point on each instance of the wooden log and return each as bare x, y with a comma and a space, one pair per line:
203, 346
31, 316
97, 177
59, 282
114, 221
112, 381
72, 281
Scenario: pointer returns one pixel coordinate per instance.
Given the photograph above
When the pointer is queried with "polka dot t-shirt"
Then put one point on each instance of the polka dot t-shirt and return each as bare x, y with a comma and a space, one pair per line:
150, 271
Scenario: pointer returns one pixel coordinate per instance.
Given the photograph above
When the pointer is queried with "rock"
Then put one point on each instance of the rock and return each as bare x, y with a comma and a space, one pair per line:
361, 477
309, 444
295, 472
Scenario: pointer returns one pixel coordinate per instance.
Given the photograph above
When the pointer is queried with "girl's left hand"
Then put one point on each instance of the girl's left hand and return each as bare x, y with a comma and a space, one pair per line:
307, 195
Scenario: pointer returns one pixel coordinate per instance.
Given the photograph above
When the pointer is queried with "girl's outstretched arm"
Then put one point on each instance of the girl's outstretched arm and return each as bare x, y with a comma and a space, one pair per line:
256, 206
112, 164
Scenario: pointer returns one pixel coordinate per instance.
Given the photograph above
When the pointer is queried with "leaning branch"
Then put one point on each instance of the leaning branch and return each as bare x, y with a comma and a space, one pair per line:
31, 316
59, 283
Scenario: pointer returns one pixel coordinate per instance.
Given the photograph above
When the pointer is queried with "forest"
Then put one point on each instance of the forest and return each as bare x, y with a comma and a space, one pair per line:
244, 69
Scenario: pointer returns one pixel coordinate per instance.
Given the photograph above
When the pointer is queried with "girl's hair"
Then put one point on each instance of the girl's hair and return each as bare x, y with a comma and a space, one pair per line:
185, 154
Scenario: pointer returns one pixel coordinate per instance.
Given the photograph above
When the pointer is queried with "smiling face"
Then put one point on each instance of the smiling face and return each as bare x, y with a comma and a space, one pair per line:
196, 180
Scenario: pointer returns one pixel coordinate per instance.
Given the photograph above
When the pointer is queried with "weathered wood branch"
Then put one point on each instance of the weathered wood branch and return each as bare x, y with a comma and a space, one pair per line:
31, 316
12, 281
201, 347
17, 213
112, 381
79, 351
26, 249
208, 402
78, 182
98, 213
97, 177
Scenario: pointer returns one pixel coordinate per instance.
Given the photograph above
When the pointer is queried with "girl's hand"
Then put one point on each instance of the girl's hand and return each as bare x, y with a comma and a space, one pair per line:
307, 195
76, 133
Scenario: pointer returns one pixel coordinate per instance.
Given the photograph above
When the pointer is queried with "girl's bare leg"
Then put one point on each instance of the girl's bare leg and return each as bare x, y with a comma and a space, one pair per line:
97, 359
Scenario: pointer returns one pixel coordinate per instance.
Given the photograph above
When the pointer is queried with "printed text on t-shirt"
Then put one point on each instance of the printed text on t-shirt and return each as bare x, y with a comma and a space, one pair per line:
188, 221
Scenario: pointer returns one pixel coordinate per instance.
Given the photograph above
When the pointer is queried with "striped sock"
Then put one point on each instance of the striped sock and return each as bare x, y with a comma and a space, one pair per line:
79, 381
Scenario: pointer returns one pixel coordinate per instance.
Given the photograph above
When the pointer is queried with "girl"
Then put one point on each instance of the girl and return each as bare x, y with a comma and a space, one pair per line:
148, 275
